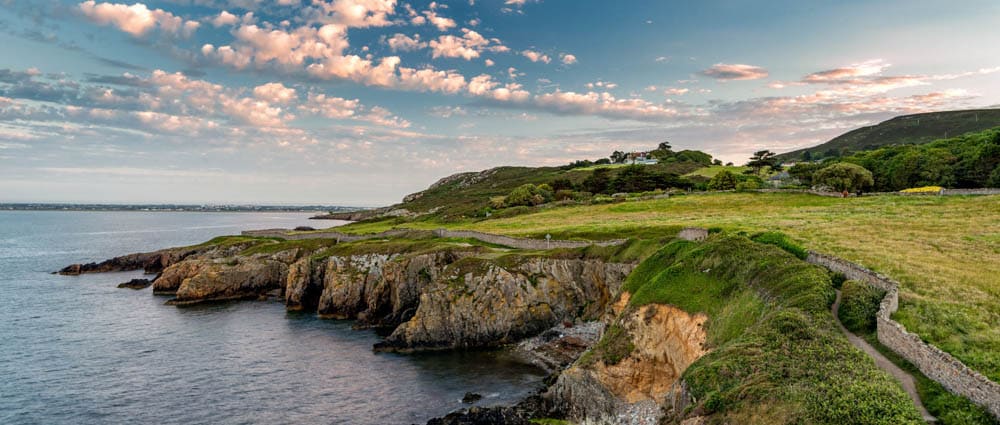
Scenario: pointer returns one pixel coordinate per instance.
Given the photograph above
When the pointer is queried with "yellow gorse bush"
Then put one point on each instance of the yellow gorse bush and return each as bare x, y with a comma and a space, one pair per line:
925, 189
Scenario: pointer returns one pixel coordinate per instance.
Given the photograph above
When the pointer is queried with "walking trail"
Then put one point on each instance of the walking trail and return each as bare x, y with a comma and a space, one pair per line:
904, 378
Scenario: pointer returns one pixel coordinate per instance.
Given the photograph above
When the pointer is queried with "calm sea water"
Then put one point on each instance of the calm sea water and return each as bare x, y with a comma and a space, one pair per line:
78, 350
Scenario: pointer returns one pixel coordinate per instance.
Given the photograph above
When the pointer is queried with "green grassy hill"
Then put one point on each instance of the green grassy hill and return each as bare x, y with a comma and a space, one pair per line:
906, 129
467, 194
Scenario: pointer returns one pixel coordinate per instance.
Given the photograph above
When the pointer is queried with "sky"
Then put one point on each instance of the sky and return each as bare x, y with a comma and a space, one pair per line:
359, 102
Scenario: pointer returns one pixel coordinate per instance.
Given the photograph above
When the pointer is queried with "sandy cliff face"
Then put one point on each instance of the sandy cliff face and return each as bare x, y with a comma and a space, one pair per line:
662, 341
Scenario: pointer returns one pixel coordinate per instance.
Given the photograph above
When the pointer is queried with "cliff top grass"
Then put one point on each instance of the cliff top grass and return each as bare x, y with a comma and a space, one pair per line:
944, 250
774, 341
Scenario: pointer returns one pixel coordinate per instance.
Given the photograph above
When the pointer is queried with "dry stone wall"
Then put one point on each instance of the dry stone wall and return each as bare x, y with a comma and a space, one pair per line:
936, 364
522, 243
339, 236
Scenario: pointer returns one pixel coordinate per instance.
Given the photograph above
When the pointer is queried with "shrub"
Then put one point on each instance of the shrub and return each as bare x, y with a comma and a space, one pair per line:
725, 180
529, 195
924, 189
844, 177
858, 305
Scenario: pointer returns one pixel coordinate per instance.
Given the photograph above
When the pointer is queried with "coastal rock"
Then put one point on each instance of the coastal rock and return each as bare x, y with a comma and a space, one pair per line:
470, 398
136, 284
218, 280
664, 341
150, 262
301, 290
491, 305
559, 346
173, 276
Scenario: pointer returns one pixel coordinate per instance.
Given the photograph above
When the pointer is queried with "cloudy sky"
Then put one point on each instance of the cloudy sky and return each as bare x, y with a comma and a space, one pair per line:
358, 102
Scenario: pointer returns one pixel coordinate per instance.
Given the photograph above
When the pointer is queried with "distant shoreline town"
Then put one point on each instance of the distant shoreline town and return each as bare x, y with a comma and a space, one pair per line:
172, 207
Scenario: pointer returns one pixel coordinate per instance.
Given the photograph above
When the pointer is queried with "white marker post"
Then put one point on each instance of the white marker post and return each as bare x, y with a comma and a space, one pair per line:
548, 237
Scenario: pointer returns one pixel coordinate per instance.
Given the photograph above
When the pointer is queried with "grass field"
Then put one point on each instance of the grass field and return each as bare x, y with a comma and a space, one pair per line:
945, 251
716, 169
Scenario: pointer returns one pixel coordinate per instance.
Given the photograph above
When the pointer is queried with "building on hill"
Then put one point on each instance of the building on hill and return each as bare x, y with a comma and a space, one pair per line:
640, 158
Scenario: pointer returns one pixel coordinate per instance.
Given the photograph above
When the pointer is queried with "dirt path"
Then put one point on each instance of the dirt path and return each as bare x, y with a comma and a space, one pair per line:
904, 378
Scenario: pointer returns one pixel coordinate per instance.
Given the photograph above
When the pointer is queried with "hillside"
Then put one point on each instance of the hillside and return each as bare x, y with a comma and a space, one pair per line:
906, 129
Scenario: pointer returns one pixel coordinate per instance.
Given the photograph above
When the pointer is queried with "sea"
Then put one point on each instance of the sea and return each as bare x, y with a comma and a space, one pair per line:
79, 350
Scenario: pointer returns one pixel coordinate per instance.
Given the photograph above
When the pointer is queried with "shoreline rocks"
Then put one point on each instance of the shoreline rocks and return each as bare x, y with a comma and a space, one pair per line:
136, 284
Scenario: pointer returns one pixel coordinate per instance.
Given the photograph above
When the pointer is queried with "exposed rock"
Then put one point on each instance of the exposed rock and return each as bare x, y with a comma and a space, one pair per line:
666, 341
172, 277
520, 414
246, 279
150, 262
470, 398
304, 229
494, 305
559, 346
136, 284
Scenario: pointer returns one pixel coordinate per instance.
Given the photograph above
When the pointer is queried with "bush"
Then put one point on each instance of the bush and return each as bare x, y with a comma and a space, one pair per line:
925, 189
529, 195
859, 303
844, 177
725, 180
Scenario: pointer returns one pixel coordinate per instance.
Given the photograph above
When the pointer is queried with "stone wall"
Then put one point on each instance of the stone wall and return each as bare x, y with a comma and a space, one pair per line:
934, 363
983, 191
339, 236
696, 234
522, 243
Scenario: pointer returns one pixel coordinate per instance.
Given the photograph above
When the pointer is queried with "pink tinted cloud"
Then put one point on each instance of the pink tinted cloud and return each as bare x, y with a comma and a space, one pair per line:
734, 72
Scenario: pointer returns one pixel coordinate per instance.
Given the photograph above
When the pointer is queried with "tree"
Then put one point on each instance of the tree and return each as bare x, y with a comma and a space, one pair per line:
804, 171
665, 146
725, 180
844, 177
598, 181
761, 159
807, 156
617, 157
562, 184
602, 161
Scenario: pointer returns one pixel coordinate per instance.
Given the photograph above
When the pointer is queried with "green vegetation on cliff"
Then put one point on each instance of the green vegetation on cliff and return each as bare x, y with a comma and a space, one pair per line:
778, 356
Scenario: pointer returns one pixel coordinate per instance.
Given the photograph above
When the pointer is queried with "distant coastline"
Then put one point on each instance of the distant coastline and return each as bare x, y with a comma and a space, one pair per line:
173, 207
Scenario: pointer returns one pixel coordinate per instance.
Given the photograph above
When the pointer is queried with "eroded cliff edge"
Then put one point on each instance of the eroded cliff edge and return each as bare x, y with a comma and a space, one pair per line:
726, 330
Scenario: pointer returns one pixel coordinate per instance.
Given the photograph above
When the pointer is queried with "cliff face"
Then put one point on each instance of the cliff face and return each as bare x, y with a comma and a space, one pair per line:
444, 299
633, 372
498, 305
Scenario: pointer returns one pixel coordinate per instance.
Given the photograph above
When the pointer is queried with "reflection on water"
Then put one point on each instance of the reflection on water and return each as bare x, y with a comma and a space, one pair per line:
78, 350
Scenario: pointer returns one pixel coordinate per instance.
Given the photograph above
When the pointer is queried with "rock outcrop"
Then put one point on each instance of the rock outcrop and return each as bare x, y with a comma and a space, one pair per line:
150, 262
136, 284
661, 342
493, 305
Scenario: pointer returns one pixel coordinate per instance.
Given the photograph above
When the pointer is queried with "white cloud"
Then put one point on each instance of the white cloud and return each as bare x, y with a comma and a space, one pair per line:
402, 42
136, 19
275, 93
536, 56
567, 59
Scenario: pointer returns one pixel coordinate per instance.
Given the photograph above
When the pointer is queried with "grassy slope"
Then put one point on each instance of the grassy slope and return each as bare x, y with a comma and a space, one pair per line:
777, 356
945, 251
907, 129
710, 172
458, 199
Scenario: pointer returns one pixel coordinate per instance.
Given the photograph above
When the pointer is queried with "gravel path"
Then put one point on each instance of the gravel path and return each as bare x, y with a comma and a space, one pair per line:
904, 378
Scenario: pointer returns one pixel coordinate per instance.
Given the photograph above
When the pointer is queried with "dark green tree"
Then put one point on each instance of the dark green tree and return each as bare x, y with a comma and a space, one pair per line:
598, 182
844, 177
725, 180
761, 159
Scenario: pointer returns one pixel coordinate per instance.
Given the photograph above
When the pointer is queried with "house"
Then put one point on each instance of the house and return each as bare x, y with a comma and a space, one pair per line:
640, 158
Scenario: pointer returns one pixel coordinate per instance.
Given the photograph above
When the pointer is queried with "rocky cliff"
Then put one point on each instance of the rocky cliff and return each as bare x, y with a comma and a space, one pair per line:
443, 298
634, 371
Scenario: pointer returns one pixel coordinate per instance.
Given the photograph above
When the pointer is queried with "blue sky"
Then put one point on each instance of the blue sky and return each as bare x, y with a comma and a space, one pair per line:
359, 102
